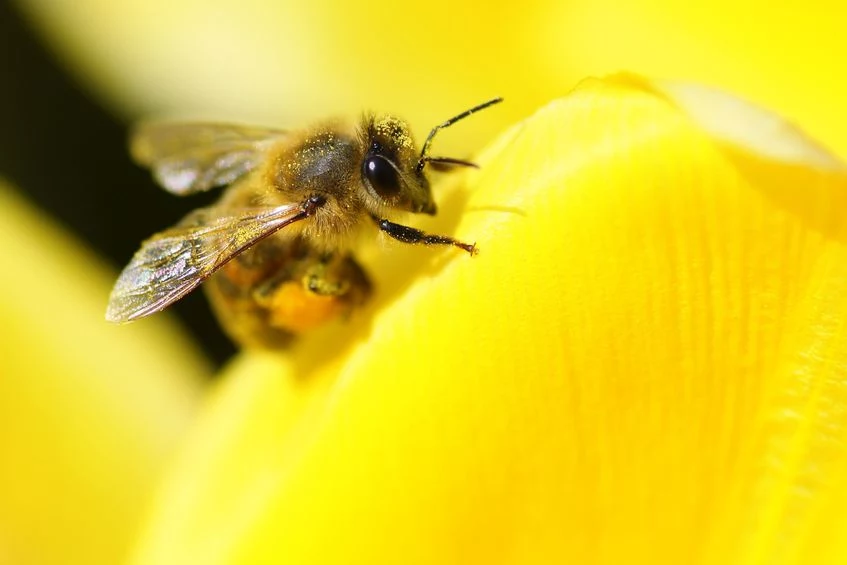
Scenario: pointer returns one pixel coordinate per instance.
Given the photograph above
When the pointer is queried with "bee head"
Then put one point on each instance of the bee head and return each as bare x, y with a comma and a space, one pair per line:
389, 167
393, 171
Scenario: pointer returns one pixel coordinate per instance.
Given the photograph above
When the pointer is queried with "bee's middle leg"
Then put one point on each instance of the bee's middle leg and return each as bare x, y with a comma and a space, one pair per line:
266, 299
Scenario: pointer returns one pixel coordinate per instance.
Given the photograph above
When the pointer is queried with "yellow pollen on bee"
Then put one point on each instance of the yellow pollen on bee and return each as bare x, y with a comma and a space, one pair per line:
296, 309
396, 130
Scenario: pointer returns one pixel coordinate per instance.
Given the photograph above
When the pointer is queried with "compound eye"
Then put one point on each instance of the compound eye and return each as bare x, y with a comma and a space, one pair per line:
382, 176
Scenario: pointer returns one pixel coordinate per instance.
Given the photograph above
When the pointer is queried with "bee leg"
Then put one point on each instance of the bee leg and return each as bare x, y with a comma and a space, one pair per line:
311, 291
322, 278
408, 234
279, 289
242, 312
328, 275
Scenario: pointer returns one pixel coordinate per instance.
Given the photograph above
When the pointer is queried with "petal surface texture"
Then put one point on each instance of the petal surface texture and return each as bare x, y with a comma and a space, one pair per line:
645, 363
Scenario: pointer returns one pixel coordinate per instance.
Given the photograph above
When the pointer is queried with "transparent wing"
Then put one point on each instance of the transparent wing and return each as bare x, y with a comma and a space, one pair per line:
193, 157
174, 262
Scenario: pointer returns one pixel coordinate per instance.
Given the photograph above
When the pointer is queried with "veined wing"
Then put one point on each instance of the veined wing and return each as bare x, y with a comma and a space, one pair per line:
174, 262
193, 157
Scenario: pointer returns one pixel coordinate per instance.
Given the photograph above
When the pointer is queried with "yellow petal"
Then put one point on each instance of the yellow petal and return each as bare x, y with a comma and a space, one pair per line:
782, 55
89, 412
745, 126
644, 364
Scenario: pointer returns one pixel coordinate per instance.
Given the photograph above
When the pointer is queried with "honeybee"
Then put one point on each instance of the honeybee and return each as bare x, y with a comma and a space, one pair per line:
278, 241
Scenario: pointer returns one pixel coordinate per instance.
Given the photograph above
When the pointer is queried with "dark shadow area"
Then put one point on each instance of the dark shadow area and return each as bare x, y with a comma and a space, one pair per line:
68, 155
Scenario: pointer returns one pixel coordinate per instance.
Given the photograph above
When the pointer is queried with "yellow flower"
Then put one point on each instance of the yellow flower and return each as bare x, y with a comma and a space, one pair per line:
645, 363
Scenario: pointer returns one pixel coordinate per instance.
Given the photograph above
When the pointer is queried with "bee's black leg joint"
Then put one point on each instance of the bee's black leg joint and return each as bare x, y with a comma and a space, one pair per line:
311, 205
407, 234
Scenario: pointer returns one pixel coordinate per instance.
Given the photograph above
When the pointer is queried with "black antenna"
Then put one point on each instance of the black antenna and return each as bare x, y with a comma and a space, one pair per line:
444, 163
423, 158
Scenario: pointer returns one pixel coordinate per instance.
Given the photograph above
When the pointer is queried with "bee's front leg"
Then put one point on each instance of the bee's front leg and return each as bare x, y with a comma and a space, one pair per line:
408, 234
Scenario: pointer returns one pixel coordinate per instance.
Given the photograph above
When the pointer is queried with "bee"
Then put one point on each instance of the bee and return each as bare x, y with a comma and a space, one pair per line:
275, 251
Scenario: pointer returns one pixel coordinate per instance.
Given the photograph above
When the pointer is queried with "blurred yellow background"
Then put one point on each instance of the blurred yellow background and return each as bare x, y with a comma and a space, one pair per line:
289, 62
